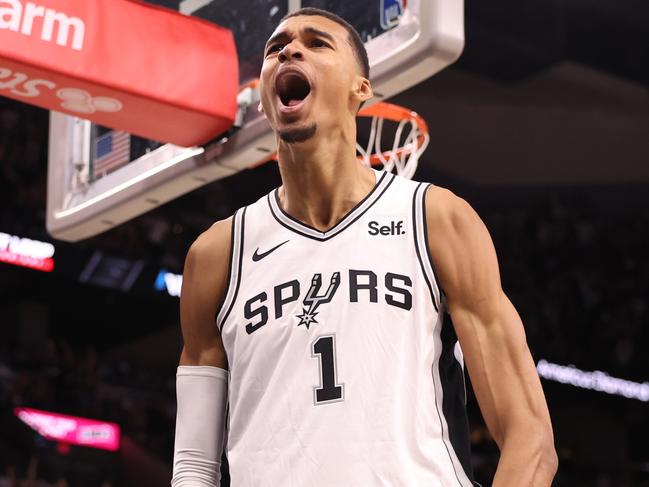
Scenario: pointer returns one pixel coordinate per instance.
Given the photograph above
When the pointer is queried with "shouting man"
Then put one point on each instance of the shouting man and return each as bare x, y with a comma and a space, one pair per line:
318, 343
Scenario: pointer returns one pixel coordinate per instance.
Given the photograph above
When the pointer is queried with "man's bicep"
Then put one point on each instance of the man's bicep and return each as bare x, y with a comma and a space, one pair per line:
204, 281
462, 251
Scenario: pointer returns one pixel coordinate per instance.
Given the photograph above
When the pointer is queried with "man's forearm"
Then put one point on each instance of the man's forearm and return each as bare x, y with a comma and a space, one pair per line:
528, 459
200, 426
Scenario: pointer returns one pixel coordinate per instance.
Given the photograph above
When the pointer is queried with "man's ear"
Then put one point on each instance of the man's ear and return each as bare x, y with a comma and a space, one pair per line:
260, 108
363, 90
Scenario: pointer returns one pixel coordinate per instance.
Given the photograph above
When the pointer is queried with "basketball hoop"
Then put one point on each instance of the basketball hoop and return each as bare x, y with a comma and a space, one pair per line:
403, 157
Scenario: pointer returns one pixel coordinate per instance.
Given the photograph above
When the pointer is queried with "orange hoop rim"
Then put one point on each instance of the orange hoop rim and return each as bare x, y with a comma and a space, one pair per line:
380, 110
395, 113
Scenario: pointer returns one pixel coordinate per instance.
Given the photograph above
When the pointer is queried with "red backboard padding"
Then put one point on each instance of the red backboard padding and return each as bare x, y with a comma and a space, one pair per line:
124, 64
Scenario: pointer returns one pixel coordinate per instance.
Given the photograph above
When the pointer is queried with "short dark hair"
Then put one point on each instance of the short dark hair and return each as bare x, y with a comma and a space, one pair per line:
354, 38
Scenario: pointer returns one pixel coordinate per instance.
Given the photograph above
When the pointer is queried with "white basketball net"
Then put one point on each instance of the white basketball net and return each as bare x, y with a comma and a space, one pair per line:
404, 160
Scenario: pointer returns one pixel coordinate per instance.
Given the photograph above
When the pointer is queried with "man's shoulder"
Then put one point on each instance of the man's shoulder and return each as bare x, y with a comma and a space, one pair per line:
213, 245
215, 242
443, 203
459, 244
446, 212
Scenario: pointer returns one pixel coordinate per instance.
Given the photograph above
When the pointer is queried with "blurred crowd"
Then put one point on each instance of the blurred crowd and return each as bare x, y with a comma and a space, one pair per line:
62, 379
23, 173
11, 477
579, 278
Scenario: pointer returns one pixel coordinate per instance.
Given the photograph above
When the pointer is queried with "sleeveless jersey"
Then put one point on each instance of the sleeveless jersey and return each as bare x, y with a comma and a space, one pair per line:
345, 370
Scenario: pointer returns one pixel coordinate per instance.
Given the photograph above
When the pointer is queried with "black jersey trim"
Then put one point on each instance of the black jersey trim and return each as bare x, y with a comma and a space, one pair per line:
242, 226
342, 220
229, 278
442, 416
349, 219
451, 375
439, 415
427, 245
417, 243
452, 417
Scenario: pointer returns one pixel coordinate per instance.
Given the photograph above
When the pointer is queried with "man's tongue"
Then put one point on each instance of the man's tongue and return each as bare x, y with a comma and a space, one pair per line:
292, 103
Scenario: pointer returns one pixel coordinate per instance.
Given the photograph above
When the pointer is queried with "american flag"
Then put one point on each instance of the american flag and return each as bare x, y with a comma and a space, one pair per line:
111, 151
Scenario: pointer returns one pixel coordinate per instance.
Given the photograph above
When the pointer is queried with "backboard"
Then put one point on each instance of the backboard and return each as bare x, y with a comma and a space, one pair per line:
99, 178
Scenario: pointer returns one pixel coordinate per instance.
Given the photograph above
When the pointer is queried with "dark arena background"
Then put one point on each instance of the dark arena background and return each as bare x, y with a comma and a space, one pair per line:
542, 125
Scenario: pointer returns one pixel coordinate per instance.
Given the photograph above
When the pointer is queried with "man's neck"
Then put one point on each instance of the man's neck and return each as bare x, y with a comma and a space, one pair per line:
322, 181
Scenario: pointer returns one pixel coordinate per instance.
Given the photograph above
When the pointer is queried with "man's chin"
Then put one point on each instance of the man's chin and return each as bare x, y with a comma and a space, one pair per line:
298, 134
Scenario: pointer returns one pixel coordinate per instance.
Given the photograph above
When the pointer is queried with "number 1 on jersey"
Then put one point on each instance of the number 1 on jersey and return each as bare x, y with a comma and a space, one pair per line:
329, 390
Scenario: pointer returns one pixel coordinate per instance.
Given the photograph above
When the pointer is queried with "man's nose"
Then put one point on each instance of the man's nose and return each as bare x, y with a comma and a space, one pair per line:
290, 51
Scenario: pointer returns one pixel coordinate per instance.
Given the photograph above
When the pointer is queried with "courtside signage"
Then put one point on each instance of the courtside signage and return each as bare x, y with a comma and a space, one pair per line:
25, 252
71, 429
30, 19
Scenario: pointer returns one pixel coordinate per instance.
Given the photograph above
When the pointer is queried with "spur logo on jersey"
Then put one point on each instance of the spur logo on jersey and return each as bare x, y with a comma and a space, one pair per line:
312, 300
388, 227
364, 286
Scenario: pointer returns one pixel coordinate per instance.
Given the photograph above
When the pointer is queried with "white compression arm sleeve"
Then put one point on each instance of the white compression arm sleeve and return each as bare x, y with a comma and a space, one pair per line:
200, 426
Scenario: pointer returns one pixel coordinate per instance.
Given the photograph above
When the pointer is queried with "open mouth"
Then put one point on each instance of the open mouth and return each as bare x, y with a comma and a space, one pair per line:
292, 88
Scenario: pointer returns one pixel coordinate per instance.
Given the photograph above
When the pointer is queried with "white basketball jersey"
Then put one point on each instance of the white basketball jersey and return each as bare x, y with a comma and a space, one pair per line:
344, 366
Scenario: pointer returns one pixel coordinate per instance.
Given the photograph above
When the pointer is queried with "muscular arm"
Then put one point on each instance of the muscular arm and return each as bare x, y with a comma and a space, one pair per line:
492, 337
204, 281
201, 381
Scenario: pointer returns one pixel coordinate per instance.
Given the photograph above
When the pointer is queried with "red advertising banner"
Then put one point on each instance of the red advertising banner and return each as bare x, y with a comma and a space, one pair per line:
123, 64
26, 252
71, 429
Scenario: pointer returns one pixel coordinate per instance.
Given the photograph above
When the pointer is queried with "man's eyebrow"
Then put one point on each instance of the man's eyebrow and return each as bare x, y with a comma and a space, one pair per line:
284, 35
320, 33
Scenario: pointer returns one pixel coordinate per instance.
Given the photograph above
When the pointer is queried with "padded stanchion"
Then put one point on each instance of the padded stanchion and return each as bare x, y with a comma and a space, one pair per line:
124, 64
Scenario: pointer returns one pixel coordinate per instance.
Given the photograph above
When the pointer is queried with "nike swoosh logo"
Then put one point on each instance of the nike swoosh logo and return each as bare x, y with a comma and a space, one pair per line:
256, 257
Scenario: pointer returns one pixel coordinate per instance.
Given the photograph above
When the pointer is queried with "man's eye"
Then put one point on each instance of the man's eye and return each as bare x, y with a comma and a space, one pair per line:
319, 43
274, 48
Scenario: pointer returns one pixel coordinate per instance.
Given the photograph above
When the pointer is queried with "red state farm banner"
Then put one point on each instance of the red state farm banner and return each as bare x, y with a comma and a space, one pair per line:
123, 64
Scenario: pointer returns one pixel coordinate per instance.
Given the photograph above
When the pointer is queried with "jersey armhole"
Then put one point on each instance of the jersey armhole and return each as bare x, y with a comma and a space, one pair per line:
421, 245
234, 268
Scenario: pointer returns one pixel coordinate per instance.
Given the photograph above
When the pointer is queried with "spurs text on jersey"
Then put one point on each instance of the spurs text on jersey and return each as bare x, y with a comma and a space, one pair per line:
363, 286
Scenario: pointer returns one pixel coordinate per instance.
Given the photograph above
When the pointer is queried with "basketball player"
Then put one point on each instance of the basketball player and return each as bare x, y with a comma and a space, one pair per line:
333, 347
